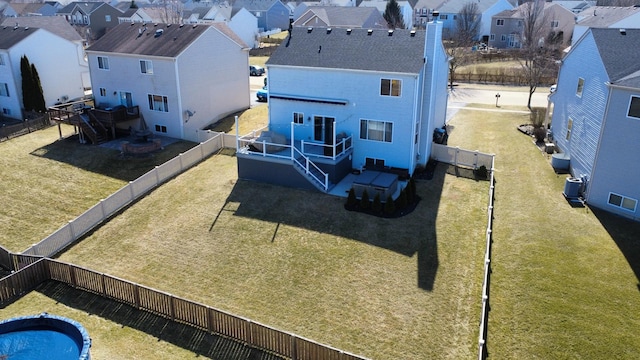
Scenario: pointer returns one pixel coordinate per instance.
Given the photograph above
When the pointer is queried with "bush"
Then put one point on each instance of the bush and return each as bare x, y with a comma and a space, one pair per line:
351, 198
377, 204
540, 134
481, 172
364, 201
389, 206
402, 199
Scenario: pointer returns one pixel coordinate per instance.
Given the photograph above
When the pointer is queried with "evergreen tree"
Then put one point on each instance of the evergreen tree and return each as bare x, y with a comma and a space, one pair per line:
389, 206
38, 95
377, 204
364, 200
351, 199
393, 16
27, 83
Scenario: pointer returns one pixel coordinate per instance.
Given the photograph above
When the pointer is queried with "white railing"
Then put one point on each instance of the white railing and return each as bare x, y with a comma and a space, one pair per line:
309, 168
484, 315
84, 223
460, 157
318, 150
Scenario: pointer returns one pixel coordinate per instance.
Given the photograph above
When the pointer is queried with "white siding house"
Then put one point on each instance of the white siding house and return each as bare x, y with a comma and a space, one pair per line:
614, 17
41, 47
596, 118
182, 77
326, 85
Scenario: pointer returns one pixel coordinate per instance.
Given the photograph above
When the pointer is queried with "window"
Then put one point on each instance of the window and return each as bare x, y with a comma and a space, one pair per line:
107, 18
161, 128
519, 23
623, 202
6, 111
634, 107
146, 67
376, 130
103, 92
298, 118
500, 22
569, 126
103, 62
554, 23
580, 87
503, 38
390, 87
455, 17
444, 17
4, 89
158, 103
492, 37
2, 60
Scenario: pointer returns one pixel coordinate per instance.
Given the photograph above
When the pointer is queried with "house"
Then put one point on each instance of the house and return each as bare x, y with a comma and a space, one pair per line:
450, 9
627, 17
406, 10
131, 13
241, 21
507, 27
40, 46
29, 9
182, 77
342, 17
596, 118
90, 18
422, 12
346, 105
575, 6
59, 26
271, 14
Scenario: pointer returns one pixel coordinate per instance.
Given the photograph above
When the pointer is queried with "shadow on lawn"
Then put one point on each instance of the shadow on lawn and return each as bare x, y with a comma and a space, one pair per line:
107, 161
625, 233
200, 342
408, 235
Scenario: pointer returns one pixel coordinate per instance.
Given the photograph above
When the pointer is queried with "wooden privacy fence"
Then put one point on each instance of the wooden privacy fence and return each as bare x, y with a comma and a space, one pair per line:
38, 270
460, 157
79, 226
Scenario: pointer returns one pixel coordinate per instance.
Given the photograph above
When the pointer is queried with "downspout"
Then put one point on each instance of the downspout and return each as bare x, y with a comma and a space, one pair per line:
604, 121
181, 122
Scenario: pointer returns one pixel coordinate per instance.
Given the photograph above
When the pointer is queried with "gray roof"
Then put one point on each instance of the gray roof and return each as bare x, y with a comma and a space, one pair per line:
603, 16
86, 7
254, 5
10, 35
54, 24
454, 6
619, 54
128, 38
401, 52
342, 16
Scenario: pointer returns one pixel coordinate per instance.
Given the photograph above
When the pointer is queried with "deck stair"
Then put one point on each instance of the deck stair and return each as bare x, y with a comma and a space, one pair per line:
93, 130
311, 171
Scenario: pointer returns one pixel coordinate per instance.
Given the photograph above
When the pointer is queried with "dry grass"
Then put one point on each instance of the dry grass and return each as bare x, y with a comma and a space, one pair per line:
490, 67
248, 120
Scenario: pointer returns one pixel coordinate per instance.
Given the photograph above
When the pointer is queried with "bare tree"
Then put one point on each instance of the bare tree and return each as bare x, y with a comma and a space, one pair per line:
536, 57
172, 11
459, 48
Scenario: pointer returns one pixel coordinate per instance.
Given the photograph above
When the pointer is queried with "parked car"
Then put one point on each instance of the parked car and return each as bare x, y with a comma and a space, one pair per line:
553, 88
262, 94
255, 70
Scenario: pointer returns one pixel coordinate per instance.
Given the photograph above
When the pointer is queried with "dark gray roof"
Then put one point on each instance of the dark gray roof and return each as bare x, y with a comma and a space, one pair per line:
11, 35
619, 54
358, 50
604, 16
339, 16
254, 5
86, 7
131, 38
54, 24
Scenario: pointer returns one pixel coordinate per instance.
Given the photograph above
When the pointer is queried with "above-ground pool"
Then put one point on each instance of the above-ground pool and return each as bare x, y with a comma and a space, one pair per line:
43, 336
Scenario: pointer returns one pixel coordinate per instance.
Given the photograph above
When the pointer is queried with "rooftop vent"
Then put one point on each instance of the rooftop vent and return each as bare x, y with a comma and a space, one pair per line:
623, 31
158, 32
348, 31
390, 32
195, 26
328, 30
309, 29
181, 25
412, 33
370, 31
155, 25
319, 49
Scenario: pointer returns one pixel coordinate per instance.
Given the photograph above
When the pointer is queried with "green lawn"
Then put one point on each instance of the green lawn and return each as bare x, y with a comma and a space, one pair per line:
565, 280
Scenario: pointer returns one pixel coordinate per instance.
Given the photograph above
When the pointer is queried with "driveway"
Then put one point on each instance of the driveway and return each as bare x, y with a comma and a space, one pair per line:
255, 83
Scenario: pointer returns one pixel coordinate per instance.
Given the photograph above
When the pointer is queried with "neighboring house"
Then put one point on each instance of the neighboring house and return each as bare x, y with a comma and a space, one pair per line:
507, 27
29, 9
130, 14
59, 26
182, 77
575, 6
486, 9
596, 117
91, 18
342, 17
406, 10
241, 21
422, 12
271, 14
301, 8
46, 51
345, 107
606, 17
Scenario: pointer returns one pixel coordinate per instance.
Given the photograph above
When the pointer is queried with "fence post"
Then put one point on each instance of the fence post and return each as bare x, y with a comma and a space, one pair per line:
133, 196
157, 175
104, 215
136, 295
104, 286
294, 350
180, 157
455, 158
72, 276
73, 234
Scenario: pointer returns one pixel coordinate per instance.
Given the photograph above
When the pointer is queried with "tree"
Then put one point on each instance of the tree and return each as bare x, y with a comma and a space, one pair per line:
459, 47
27, 83
536, 57
38, 95
393, 15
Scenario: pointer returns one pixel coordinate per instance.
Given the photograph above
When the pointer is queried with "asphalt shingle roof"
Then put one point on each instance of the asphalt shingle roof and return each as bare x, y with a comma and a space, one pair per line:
11, 35
619, 54
342, 16
603, 16
54, 24
400, 52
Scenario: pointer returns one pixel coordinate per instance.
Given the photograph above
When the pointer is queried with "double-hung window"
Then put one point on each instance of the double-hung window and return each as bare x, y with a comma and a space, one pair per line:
103, 62
500, 22
298, 118
390, 87
158, 103
4, 89
376, 130
146, 67
634, 107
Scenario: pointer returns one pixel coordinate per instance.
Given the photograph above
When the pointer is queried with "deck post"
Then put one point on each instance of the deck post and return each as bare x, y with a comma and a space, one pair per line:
293, 155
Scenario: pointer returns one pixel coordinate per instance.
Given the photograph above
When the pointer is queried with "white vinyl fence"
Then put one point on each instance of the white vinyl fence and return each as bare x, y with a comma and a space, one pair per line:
84, 223
460, 157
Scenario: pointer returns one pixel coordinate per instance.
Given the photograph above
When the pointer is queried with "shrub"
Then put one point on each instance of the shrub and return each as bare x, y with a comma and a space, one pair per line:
351, 198
402, 199
377, 204
540, 133
364, 200
389, 206
481, 172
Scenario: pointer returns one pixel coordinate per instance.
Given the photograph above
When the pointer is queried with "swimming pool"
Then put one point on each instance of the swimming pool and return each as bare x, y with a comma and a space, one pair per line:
43, 336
